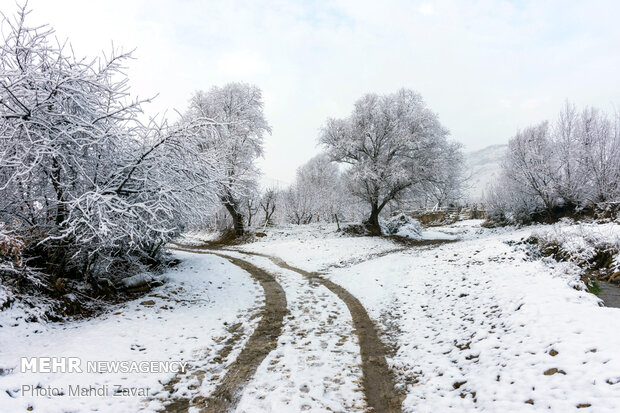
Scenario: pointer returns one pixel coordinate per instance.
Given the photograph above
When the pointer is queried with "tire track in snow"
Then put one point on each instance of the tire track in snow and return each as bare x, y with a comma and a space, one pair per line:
259, 345
378, 380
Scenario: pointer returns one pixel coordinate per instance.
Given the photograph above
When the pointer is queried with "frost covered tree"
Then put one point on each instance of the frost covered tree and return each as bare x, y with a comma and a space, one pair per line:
298, 204
553, 169
237, 111
317, 193
570, 182
321, 179
507, 202
251, 207
391, 143
530, 167
268, 203
444, 187
86, 187
599, 139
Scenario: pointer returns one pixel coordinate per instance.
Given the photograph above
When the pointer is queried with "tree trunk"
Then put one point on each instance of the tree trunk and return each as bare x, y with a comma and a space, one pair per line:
236, 215
269, 214
372, 224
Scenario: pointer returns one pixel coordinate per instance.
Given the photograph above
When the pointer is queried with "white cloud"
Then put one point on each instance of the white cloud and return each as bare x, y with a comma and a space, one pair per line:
427, 9
241, 64
534, 102
505, 103
486, 67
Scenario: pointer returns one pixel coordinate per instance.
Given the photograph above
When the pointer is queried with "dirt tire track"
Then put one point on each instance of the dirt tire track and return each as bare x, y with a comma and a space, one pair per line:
379, 384
259, 345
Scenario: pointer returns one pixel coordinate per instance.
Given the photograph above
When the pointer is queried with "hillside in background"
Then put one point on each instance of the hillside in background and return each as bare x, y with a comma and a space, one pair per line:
484, 167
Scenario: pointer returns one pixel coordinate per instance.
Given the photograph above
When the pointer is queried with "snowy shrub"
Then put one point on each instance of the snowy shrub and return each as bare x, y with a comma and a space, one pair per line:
13, 269
505, 205
10, 245
591, 247
404, 226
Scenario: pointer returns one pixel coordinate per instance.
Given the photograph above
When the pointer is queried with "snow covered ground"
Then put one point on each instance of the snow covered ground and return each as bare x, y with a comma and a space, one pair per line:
478, 326
475, 324
472, 324
197, 237
188, 319
316, 247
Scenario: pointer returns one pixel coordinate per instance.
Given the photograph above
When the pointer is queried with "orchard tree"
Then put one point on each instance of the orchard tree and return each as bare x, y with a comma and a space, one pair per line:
237, 110
269, 203
391, 142
87, 188
321, 179
599, 138
530, 166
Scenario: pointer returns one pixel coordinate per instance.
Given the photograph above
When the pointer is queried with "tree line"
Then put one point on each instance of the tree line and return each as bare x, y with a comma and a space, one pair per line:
568, 166
391, 151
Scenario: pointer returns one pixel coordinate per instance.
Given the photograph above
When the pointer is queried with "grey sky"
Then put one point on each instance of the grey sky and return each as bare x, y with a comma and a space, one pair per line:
486, 67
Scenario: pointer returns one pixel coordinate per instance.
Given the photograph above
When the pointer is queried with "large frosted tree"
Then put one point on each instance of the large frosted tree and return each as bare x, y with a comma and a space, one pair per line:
391, 142
237, 111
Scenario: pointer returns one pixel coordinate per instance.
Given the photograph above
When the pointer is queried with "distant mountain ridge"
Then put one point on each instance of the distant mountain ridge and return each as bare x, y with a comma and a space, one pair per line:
484, 167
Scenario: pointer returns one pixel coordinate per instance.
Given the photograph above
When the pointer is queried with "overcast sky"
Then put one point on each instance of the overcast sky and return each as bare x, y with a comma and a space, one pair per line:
486, 67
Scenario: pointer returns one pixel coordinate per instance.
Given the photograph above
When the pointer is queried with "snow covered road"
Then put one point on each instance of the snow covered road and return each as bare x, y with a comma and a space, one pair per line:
377, 380
316, 365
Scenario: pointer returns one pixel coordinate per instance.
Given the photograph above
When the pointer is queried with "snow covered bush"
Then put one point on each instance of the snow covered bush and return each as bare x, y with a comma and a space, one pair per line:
592, 247
507, 205
404, 226
10, 245
13, 269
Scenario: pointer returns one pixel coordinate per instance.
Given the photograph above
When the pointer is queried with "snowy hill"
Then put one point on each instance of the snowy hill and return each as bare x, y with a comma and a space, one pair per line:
484, 167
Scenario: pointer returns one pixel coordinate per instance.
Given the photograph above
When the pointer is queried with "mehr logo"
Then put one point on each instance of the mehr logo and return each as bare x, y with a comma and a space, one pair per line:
50, 365
74, 365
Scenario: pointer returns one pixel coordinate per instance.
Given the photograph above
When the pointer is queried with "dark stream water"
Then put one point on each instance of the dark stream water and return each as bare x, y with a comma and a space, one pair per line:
610, 294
